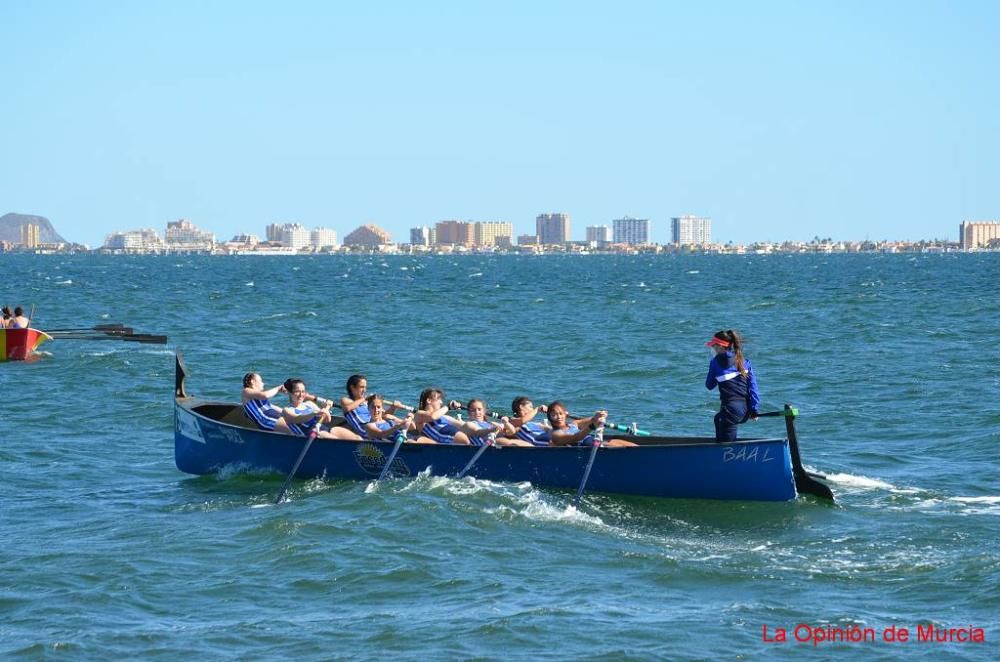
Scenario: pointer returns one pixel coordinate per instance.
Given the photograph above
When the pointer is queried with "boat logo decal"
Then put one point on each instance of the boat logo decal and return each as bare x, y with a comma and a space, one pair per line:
371, 460
746, 454
187, 426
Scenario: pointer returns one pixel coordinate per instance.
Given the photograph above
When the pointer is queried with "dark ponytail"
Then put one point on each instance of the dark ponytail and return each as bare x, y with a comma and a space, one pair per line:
736, 344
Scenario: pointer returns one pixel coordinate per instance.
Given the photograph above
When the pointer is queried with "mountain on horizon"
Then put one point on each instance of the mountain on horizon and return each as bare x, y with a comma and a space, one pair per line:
10, 228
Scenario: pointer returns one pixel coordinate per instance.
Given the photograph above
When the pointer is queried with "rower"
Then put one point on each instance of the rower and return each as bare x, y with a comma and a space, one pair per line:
303, 414
384, 425
355, 405
434, 424
18, 321
478, 429
537, 434
257, 404
579, 432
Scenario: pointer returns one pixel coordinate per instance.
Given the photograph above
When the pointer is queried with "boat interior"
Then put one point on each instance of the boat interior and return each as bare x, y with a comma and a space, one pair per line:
232, 414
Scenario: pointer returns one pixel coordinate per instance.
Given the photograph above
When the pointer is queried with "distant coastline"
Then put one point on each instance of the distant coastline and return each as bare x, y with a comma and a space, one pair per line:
572, 248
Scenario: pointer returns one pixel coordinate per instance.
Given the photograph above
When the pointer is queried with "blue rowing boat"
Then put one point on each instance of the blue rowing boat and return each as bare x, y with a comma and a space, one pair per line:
212, 436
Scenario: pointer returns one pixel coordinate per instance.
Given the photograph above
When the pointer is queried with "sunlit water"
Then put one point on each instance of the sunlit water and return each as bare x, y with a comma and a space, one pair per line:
107, 549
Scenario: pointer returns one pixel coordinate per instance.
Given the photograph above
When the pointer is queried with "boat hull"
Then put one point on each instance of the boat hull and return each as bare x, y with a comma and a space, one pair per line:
759, 470
18, 344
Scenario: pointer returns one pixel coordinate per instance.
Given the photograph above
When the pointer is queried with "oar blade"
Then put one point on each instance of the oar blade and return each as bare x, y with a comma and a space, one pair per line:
146, 338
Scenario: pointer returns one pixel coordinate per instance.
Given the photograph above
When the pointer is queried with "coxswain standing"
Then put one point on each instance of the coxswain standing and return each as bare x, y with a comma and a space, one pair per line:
733, 374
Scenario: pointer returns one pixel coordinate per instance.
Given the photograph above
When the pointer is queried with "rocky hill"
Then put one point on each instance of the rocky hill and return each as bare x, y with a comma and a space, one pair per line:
10, 228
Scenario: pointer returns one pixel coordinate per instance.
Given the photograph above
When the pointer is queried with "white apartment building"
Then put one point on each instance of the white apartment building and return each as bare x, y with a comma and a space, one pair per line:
296, 236
630, 230
690, 230
598, 233
323, 238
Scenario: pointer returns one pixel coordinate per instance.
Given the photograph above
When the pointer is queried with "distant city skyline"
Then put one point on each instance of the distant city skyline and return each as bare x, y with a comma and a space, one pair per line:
777, 120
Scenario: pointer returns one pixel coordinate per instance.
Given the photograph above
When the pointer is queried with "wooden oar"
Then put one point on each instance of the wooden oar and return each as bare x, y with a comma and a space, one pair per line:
116, 333
146, 338
400, 438
99, 327
305, 449
120, 331
138, 337
627, 429
598, 439
491, 439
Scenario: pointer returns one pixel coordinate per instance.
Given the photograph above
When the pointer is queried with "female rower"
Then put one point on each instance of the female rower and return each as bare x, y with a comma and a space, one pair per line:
579, 432
477, 428
7, 316
19, 321
434, 425
257, 404
384, 425
355, 405
733, 374
525, 429
303, 415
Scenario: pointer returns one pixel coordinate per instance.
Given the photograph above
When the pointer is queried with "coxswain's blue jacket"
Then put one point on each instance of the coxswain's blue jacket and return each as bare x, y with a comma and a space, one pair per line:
722, 372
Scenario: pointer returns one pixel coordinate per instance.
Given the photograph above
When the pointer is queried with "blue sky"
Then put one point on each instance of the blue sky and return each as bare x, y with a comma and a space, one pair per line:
779, 120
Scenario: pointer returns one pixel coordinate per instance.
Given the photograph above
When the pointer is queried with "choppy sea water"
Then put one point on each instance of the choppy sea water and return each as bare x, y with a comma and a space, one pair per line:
107, 549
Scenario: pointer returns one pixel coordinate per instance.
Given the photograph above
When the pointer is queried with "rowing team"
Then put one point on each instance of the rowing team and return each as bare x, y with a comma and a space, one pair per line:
368, 416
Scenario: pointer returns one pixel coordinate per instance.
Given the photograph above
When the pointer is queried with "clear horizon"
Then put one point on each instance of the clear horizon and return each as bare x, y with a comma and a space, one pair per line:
778, 121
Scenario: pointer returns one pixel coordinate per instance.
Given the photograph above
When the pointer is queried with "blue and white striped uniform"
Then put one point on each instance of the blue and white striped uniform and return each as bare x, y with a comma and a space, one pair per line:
482, 425
441, 431
385, 425
586, 441
262, 412
303, 429
358, 418
536, 433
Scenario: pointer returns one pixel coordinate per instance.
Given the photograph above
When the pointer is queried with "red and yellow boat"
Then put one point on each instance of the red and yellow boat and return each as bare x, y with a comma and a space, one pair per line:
18, 344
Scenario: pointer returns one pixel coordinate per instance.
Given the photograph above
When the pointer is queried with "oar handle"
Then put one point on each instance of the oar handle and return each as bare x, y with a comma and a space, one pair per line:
490, 414
631, 429
791, 412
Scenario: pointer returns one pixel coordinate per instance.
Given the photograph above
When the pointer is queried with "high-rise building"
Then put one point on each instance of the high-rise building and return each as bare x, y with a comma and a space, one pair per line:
274, 230
978, 234
630, 230
455, 232
420, 236
368, 235
323, 238
295, 236
688, 230
599, 233
493, 233
552, 228
29, 235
